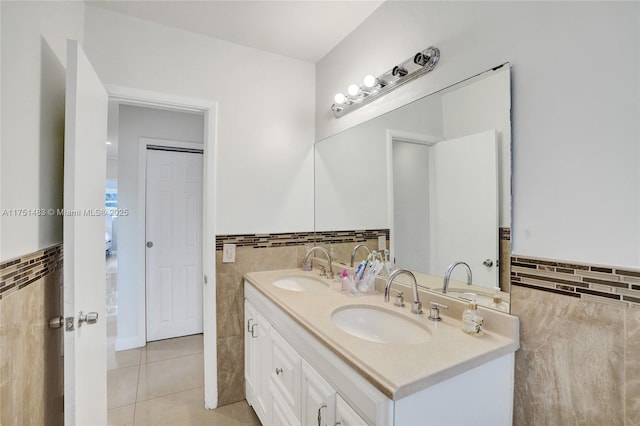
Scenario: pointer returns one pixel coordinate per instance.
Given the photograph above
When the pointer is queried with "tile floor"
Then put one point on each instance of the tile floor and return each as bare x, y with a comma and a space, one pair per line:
162, 383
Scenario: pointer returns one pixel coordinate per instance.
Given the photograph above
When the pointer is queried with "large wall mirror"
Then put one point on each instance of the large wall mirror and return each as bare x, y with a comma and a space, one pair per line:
435, 173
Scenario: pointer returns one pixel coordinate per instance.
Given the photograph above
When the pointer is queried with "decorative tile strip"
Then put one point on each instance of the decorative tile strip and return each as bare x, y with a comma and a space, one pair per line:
266, 240
299, 238
357, 236
600, 283
18, 273
504, 234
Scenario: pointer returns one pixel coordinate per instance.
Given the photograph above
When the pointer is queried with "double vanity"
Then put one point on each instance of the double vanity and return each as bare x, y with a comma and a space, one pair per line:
316, 355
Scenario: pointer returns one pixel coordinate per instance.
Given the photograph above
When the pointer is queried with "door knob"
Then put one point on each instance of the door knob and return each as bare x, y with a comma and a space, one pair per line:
89, 318
56, 322
149, 244
488, 263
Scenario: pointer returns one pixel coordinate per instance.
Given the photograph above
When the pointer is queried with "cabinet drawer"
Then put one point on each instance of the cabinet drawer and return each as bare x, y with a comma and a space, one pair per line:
285, 372
345, 415
281, 412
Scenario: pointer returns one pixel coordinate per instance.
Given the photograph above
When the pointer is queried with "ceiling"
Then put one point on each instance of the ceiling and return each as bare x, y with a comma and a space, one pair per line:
300, 29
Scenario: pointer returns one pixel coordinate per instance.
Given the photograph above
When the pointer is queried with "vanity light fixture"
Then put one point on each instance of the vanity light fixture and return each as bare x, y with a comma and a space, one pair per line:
374, 87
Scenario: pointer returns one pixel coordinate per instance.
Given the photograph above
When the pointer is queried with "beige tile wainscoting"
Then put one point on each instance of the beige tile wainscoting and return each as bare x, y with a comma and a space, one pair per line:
31, 373
578, 362
263, 252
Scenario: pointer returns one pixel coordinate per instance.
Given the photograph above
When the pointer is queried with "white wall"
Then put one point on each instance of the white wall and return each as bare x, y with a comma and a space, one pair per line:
134, 123
575, 107
33, 83
265, 117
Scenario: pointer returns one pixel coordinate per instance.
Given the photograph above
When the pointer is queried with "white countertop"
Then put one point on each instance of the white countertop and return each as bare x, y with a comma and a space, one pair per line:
396, 370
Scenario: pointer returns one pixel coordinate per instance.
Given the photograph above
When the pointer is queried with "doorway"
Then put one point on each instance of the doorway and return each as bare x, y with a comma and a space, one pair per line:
130, 322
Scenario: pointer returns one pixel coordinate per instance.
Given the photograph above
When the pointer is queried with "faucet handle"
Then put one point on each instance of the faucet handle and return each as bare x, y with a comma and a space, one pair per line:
435, 312
399, 299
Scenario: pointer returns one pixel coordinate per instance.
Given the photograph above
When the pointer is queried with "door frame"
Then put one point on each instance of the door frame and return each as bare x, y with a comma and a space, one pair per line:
150, 99
407, 137
141, 239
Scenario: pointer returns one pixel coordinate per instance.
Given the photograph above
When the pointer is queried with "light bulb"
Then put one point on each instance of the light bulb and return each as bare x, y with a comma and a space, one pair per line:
353, 90
340, 98
370, 81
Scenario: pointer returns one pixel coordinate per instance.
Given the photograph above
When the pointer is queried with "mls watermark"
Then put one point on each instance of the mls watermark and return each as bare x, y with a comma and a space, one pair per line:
65, 212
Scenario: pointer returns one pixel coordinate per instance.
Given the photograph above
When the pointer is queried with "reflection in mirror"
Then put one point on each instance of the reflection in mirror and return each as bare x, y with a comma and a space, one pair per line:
433, 179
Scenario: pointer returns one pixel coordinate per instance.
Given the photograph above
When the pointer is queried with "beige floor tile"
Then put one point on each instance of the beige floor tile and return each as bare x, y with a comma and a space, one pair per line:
172, 348
182, 408
122, 386
170, 376
121, 416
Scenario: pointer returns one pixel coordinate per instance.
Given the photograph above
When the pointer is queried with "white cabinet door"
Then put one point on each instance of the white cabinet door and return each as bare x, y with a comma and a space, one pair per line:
257, 362
345, 415
250, 354
281, 414
318, 399
285, 373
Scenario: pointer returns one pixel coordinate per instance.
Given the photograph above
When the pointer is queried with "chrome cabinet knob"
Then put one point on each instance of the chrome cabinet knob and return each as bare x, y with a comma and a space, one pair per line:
488, 263
149, 244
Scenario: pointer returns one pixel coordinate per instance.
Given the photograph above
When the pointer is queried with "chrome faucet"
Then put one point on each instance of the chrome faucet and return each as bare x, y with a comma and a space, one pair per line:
355, 249
416, 307
447, 277
306, 263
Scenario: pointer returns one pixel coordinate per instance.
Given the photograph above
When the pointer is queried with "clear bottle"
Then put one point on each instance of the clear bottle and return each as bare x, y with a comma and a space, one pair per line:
497, 301
472, 322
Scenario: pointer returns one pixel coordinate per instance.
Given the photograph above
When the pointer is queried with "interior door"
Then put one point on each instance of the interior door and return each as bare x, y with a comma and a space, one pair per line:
85, 367
465, 199
174, 243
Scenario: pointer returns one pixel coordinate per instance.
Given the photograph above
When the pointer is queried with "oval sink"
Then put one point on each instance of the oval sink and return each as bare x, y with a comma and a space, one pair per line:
379, 325
300, 283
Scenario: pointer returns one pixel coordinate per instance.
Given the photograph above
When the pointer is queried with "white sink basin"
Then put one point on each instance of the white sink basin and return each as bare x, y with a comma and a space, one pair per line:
379, 325
300, 283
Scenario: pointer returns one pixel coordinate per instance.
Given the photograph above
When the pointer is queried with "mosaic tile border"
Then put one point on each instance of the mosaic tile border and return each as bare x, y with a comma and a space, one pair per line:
606, 284
18, 273
356, 236
266, 240
299, 238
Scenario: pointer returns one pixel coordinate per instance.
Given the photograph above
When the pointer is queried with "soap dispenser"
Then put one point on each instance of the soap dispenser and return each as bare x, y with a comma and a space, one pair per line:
497, 301
472, 320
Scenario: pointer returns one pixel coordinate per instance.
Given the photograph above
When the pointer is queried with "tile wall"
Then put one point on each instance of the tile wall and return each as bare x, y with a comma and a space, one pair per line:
579, 360
31, 377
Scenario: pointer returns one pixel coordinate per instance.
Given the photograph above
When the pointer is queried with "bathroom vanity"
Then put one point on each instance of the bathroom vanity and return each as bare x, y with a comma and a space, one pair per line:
314, 355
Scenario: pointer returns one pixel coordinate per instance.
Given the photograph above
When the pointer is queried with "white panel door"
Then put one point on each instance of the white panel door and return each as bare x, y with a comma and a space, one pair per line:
174, 244
85, 347
465, 200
